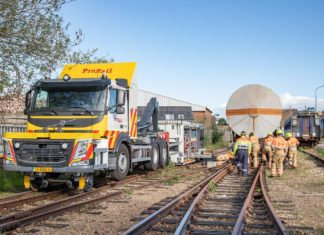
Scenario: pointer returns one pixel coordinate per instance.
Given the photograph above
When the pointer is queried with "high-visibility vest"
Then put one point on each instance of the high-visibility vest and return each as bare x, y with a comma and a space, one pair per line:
268, 141
242, 143
279, 143
254, 139
292, 143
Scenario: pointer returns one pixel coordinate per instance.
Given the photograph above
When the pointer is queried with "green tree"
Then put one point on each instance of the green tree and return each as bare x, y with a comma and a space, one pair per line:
217, 135
80, 57
222, 121
34, 41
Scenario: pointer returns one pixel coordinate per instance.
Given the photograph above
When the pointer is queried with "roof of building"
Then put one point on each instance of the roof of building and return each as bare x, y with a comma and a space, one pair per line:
172, 113
143, 98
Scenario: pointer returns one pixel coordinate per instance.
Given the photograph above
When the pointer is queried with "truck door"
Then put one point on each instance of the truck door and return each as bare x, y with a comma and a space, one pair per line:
117, 114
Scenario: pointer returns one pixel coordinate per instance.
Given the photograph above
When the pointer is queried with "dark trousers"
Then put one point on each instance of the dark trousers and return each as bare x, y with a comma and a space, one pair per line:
242, 161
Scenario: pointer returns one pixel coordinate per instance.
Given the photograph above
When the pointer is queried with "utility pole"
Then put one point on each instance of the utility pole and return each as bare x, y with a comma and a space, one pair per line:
316, 96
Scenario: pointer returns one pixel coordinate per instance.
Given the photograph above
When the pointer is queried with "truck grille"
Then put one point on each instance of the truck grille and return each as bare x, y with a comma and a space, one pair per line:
43, 153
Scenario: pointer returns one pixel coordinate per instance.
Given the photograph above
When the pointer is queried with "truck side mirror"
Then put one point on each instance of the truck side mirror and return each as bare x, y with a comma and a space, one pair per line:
27, 101
120, 110
121, 98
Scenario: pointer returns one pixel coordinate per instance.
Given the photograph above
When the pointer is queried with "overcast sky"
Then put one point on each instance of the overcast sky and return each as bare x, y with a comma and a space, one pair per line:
203, 50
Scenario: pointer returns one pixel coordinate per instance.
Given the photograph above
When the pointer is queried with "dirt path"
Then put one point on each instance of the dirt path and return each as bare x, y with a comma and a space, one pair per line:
298, 196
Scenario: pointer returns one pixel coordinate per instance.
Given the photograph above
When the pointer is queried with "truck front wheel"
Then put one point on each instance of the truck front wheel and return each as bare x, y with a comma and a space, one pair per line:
153, 164
122, 163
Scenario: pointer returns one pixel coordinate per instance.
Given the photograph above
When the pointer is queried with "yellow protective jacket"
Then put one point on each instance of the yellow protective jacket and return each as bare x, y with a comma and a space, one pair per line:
242, 143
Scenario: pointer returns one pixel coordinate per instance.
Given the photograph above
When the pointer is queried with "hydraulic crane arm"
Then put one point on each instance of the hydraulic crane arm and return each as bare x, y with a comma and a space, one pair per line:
151, 111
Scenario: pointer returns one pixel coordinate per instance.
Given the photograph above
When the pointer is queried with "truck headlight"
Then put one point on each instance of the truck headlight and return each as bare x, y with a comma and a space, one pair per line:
314, 134
7, 149
82, 149
8, 162
297, 134
65, 146
17, 145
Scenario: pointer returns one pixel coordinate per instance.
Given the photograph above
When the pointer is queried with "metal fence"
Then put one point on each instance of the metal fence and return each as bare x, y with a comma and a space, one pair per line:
11, 128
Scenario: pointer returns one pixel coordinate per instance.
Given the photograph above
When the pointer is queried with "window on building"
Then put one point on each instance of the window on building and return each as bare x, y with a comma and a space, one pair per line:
169, 116
181, 116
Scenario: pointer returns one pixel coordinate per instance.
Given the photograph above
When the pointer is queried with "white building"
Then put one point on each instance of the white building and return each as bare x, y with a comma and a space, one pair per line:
143, 97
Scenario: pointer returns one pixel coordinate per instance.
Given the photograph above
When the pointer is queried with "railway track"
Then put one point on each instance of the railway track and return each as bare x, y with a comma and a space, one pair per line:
75, 202
30, 197
314, 156
236, 205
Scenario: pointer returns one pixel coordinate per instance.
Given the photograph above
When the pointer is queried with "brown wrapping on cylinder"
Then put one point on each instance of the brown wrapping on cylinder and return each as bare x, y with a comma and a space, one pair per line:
253, 111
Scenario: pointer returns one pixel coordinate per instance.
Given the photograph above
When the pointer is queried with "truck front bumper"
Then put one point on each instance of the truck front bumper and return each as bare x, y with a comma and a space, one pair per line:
72, 169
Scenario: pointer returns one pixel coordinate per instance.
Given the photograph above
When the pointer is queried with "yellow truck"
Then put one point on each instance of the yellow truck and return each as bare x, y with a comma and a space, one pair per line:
84, 124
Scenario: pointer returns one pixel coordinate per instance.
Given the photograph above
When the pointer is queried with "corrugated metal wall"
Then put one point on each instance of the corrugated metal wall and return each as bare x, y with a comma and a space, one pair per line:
143, 98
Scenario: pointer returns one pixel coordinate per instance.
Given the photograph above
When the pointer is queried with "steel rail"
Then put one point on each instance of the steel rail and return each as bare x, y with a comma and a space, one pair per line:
181, 229
239, 225
273, 215
31, 199
14, 218
16, 196
313, 156
152, 219
62, 206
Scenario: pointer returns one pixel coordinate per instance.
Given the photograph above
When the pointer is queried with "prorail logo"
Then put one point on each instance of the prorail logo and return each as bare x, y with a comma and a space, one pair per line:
87, 70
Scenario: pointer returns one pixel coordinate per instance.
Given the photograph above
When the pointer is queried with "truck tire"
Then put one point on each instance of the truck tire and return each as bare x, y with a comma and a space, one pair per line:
122, 163
89, 184
163, 154
153, 164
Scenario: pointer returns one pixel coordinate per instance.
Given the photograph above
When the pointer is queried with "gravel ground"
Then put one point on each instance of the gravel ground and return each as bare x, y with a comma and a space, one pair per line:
110, 217
298, 195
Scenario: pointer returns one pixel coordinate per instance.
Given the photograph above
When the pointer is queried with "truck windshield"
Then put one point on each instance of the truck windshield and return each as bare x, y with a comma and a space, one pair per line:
67, 100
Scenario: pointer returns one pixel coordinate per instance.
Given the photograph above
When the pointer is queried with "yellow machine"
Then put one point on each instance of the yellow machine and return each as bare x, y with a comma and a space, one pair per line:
85, 124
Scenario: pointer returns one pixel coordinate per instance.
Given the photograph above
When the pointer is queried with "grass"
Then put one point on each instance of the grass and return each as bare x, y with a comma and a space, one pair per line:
11, 181
212, 186
170, 166
128, 191
220, 144
320, 152
322, 210
172, 181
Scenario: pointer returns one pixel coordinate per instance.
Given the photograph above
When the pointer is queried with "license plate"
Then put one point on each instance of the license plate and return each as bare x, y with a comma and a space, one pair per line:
43, 169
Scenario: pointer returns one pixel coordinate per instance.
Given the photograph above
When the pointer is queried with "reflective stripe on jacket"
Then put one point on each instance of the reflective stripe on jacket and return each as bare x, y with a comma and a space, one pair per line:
242, 143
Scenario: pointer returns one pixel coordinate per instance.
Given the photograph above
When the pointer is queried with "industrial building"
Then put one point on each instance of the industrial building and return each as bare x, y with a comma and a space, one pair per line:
201, 114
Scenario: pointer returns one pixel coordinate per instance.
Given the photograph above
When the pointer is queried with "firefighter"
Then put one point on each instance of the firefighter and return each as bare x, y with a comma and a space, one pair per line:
255, 149
242, 150
267, 151
279, 147
292, 149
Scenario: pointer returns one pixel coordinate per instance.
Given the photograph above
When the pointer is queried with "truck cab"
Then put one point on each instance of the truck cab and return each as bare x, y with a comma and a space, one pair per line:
82, 125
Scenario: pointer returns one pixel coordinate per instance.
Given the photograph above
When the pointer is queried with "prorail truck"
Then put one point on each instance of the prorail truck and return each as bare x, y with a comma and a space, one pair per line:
85, 124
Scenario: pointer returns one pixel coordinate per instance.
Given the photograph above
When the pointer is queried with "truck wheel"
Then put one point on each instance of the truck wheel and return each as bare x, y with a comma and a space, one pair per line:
35, 185
163, 155
89, 184
122, 163
153, 164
